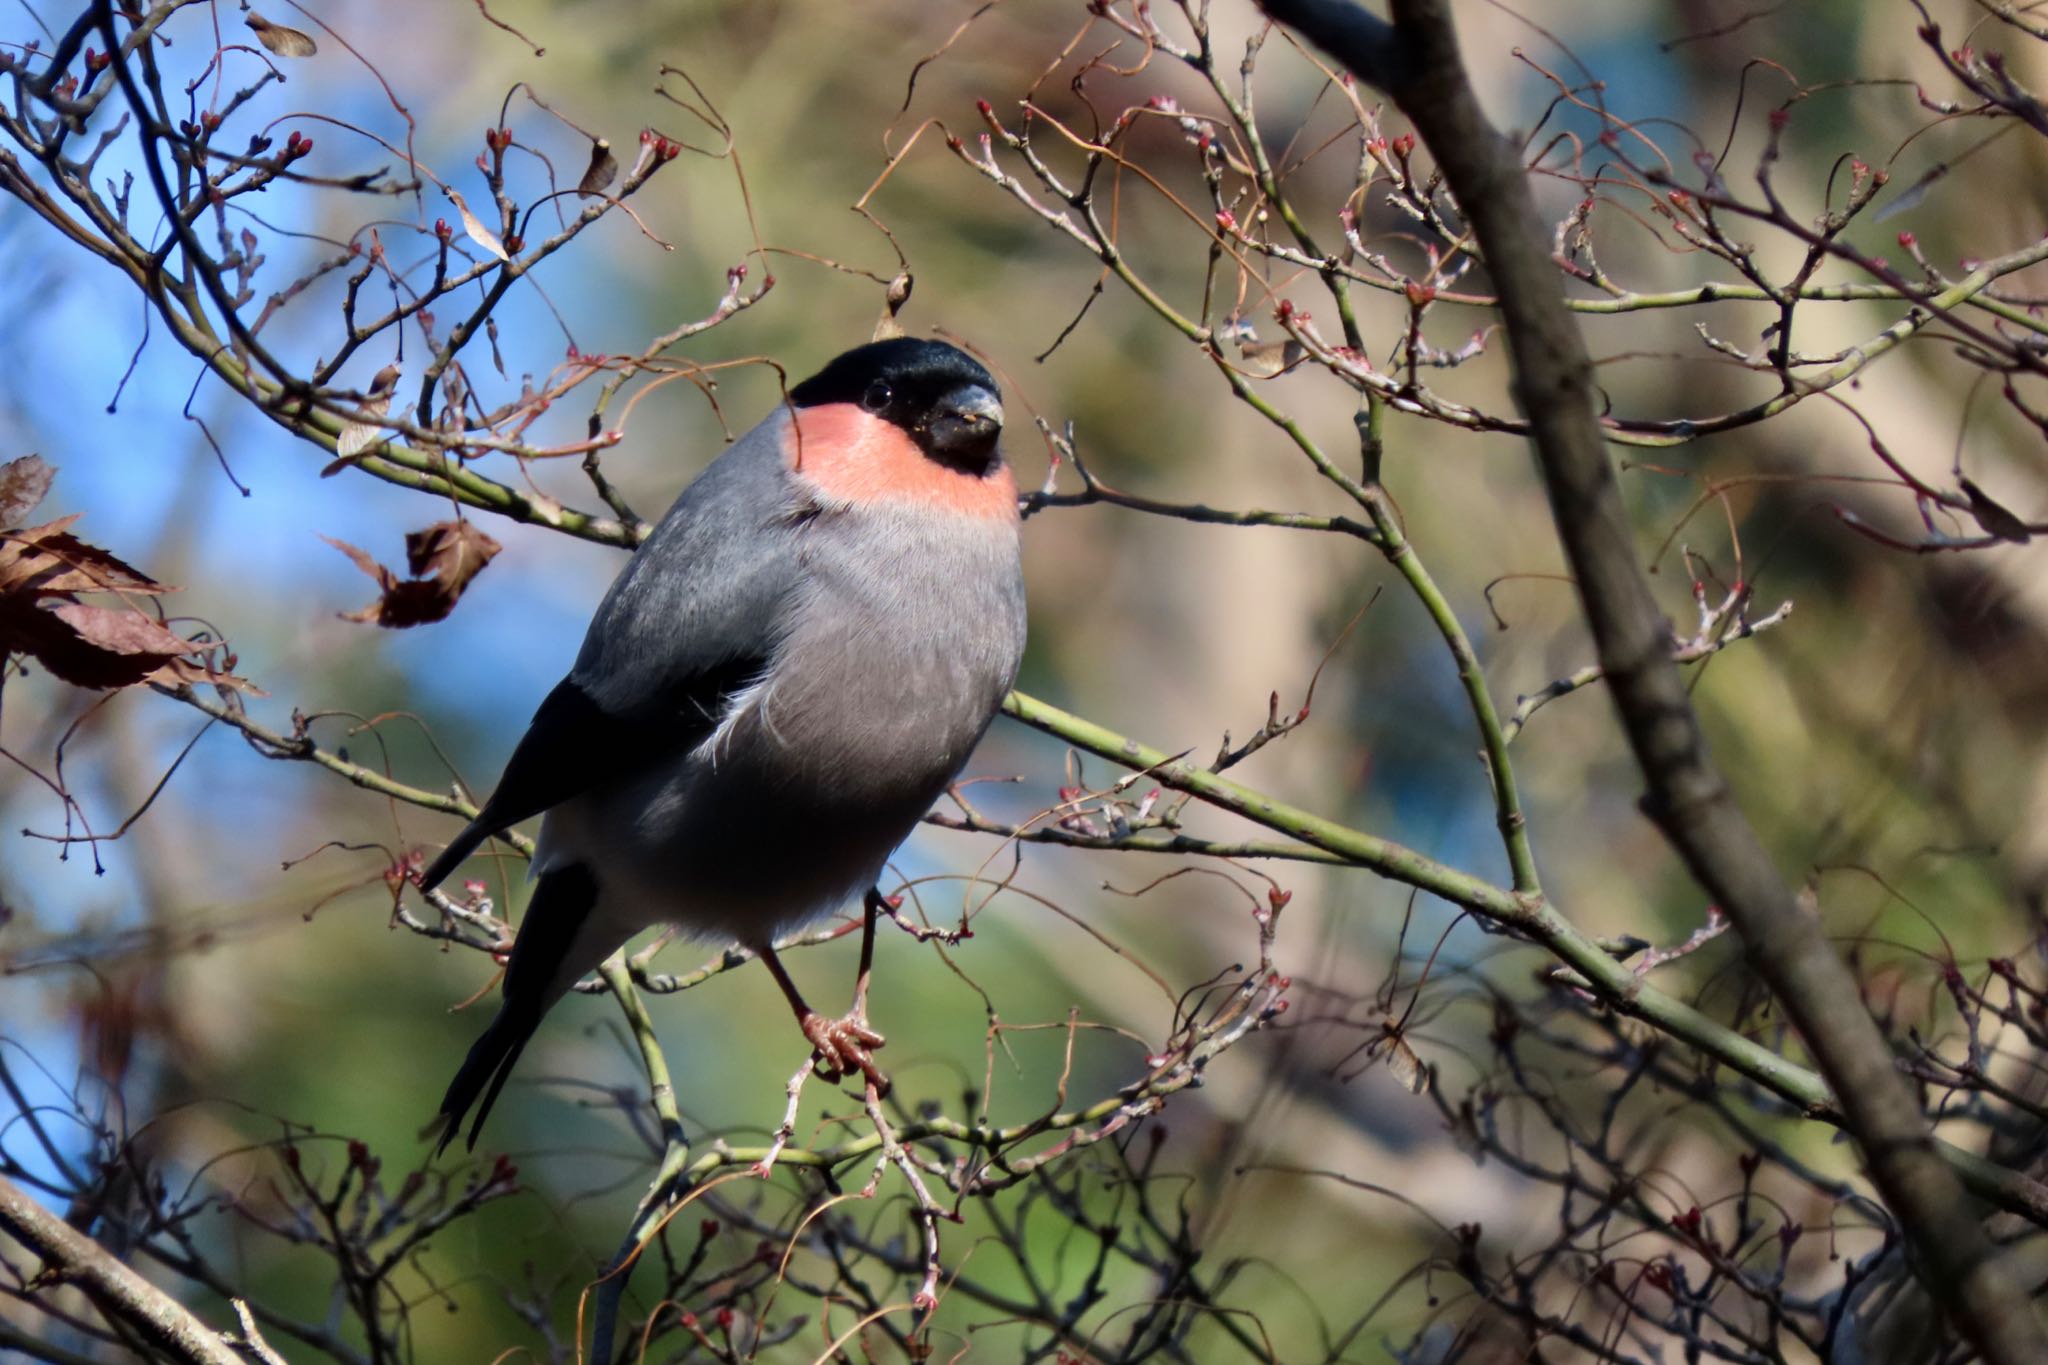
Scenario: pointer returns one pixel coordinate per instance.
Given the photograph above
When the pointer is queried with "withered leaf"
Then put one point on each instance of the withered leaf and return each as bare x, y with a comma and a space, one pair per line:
1996, 520
1406, 1066
603, 169
42, 570
23, 484
120, 630
285, 42
46, 560
381, 385
1265, 359
184, 669
361, 558
358, 436
477, 232
452, 551
443, 559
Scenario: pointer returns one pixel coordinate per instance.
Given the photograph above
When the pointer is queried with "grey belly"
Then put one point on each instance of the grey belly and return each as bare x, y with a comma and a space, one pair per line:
746, 841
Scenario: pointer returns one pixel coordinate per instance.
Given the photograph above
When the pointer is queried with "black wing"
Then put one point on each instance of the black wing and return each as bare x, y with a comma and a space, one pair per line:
694, 617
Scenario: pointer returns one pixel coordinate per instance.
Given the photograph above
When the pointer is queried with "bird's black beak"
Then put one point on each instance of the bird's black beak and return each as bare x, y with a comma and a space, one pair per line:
964, 427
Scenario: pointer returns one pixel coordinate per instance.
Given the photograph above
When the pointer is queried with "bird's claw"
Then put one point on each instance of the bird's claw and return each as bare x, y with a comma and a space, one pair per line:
844, 1046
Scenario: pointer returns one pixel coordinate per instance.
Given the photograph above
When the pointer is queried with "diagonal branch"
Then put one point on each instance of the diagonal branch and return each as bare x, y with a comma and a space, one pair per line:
119, 1293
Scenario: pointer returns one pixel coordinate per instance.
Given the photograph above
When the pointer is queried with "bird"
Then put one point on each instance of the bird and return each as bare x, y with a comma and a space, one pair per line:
794, 665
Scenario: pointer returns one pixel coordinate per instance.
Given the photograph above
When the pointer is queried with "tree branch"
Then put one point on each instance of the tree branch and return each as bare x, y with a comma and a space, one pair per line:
116, 1291
1418, 64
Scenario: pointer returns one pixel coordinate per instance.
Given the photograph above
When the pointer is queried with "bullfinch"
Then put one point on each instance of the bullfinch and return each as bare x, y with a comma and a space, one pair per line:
782, 680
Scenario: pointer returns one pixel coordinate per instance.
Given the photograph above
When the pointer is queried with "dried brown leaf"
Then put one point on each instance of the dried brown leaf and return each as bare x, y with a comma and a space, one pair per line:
79, 567
361, 558
124, 630
23, 484
19, 555
181, 670
443, 559
1265, 359
1996, 519
451, 551
285, 42
603, 169
30, 535
106, 647
358, 436
408, 602
46, 560
42, 571
1406, 1066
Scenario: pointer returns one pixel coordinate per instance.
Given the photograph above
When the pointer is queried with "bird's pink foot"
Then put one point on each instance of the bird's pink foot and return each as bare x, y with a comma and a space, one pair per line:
844, 1046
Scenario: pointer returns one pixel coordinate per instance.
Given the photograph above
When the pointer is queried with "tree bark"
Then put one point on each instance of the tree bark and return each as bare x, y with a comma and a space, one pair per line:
118, 1292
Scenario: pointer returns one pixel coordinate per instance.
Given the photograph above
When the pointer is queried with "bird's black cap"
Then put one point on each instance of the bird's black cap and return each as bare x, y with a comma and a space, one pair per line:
919, 371
919, 386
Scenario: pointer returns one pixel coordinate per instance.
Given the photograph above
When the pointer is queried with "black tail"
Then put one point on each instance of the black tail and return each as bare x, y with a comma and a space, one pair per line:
561, 902
478, 830
489, 1063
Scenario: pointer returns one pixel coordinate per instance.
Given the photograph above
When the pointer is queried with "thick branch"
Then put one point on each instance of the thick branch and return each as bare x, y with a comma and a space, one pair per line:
1418, 64
119, 1293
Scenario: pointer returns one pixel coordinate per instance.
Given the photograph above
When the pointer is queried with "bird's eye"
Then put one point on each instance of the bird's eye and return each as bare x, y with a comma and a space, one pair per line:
877, 397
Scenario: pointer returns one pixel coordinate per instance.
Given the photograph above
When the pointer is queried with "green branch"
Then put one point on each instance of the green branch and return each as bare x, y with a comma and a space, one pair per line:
1529, 917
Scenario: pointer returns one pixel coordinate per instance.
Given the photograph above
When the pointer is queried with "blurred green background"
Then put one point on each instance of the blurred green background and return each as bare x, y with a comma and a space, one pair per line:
1886, 739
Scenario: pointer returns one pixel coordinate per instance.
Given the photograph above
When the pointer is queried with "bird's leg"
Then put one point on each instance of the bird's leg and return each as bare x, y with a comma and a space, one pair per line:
873, 906
842, 1045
